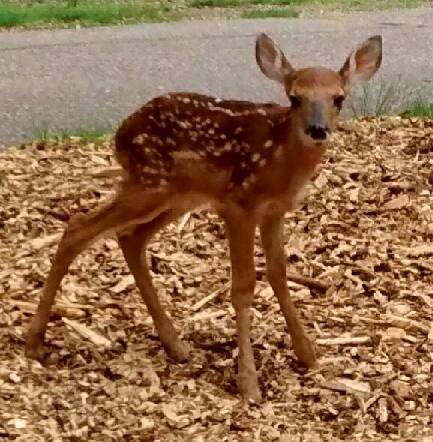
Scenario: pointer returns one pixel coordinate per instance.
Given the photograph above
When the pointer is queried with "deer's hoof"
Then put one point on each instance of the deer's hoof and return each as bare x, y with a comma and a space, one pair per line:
179, 352
249, 390
35, 349
306, 353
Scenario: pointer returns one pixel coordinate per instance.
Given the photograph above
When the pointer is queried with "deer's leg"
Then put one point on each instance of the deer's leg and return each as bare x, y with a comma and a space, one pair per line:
271, 230
128, 208
240, 232
133, 246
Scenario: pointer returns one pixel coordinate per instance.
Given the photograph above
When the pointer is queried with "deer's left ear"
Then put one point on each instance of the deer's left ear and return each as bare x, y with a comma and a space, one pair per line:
363, 62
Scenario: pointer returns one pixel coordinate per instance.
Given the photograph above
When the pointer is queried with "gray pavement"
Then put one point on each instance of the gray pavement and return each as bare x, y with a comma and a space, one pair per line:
92, 78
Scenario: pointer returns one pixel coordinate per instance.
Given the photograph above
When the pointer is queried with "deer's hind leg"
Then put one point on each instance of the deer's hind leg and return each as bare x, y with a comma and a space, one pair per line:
133, 245
131, 206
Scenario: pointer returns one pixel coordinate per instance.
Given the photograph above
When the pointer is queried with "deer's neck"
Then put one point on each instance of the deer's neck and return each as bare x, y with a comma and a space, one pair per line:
297, 155
295, 162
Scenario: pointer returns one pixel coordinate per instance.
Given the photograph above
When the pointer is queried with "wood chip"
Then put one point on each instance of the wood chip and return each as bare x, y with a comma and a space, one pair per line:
125, 282
45, 241
383, 410
60, 308
398, 203
308, 282
348, 386
199, 304
107, 173
406, 323
344, 340
203, 316
420, 250
95, 338
183, 222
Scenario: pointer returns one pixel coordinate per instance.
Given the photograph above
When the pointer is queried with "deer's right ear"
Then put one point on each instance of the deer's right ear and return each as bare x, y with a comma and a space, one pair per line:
271, 59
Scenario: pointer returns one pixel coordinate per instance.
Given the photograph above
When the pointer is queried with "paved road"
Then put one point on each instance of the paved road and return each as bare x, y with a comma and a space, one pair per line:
92, 78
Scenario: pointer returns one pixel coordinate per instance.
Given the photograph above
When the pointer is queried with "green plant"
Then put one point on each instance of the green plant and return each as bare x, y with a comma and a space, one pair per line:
45, 134
419, 110
272, 12
380, 97
83, 12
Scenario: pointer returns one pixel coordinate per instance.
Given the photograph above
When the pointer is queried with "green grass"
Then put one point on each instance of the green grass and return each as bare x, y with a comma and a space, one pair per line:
268, 13
239, 3
86, 13
85, 134
70, 13
419, 110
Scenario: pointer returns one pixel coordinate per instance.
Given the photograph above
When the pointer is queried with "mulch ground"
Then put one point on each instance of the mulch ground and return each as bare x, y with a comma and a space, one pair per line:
362, 240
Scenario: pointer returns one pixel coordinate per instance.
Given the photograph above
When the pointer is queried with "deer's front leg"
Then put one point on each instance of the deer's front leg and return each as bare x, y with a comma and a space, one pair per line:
240, 232
271, 230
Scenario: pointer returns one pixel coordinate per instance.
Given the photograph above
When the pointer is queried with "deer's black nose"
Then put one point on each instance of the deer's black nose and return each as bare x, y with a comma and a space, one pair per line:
318, 131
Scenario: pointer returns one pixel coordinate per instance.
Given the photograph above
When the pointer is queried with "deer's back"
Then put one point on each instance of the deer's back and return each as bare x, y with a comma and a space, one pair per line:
199, 135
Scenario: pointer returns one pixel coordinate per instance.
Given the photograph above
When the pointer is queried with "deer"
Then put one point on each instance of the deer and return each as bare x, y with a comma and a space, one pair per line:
249, 161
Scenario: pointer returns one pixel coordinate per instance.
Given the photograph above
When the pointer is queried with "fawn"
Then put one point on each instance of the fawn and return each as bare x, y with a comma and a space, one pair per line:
249, 161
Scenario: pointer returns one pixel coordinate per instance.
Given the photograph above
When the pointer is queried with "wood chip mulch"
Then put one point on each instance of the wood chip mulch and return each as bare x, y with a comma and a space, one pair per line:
359, 248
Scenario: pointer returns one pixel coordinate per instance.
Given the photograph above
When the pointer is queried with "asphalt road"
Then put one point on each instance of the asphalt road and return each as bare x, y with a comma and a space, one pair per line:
92, 78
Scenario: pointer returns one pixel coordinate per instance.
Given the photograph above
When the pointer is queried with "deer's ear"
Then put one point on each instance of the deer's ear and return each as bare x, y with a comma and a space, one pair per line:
271, 59
363, 62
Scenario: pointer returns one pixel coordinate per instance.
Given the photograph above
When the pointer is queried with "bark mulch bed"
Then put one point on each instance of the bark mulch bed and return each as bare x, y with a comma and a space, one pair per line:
362, 240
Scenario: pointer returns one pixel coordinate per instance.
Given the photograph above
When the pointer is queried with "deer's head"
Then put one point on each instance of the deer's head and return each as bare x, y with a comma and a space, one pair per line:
317, 94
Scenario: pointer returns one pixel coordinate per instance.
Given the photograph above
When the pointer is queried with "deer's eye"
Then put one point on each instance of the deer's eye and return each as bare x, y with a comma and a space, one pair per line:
338, 101
294, 101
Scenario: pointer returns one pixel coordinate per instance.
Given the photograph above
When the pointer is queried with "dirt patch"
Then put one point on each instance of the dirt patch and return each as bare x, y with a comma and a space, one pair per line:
364, 232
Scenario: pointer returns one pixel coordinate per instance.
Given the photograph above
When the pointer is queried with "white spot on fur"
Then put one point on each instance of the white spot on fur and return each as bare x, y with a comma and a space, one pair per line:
255, 157
140, 139
184, 124
157, 140
269, 144
151, 171
185, 155
225, 111
278, 152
